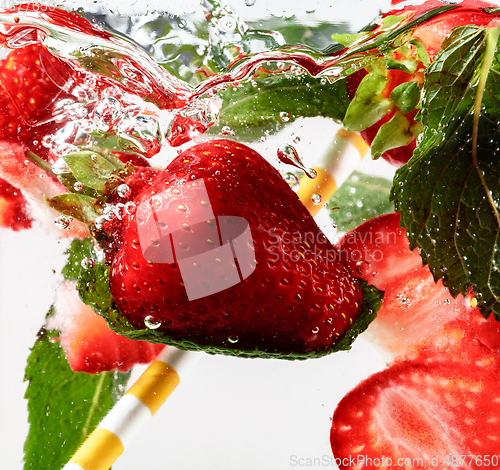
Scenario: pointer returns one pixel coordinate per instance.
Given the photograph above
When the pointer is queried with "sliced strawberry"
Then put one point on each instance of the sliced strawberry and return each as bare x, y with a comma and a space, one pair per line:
35, 184
438, 411
414, 305
221, 253
89, 344
14, 212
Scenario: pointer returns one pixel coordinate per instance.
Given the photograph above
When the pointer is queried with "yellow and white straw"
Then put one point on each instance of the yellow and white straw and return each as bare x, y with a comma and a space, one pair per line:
160, 379
337, 165
133, 410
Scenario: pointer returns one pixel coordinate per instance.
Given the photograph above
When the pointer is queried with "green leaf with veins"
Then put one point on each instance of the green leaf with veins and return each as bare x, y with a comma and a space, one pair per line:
247, 107
360, 198
449, 192
64, 406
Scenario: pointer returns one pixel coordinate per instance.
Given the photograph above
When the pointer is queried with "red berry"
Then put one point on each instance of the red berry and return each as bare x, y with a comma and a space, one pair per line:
414, 305
90, 346
287, 292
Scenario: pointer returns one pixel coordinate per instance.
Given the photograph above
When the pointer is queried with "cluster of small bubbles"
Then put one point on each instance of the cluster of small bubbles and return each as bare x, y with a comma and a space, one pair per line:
88, 263
78, 186
316, 199
292, 181
249, 3
151, 324
284, 116
63, 221
296, 70
226, 130
233, 339
124, 190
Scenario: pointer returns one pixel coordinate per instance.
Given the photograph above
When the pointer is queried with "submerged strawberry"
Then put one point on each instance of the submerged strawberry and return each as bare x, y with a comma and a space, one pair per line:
14, 212
220, 253
385, 94
437, 411
414, 306
90, 346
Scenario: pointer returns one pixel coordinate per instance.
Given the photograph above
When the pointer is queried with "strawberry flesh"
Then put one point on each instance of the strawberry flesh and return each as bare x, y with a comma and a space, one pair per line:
90, 346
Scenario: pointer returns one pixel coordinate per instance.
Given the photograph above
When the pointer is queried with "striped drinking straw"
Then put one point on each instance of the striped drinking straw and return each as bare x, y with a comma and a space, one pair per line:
159, 380
133, 410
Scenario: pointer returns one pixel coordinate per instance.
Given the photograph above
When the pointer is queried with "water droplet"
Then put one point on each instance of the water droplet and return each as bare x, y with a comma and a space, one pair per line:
233, 339
226, 130
316, 199
249, 3
99, 222
124, 190
78, 186
130, 208
88, 263
292, 181
315, 330
227, 24
150, 323
284, 116
288, 154
63, 221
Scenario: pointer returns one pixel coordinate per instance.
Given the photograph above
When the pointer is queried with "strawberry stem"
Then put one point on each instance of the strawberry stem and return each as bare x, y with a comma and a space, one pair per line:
45, 166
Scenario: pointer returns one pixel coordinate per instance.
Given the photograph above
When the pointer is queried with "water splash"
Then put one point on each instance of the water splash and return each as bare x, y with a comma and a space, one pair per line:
288, 154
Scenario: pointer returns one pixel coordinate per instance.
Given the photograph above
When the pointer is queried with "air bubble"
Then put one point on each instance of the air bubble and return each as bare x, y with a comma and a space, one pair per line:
63, 221
292, 181
249, 3
296, 139
233, 339
87, 263
315, 330
226, 130
78, 186
316, 199
130, 208
99, 222
284, 116
124, 190
151, 324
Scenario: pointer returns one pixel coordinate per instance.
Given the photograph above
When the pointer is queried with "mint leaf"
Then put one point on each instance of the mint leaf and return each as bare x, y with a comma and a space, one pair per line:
449, 192
77, 252
361, 197
64, 406
250, 107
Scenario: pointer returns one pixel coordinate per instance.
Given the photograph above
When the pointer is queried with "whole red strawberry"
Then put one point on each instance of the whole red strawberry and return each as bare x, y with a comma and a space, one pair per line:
393, 133
221, 254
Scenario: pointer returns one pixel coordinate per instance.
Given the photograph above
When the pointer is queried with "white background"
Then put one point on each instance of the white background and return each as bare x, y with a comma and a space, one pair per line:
228, 413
